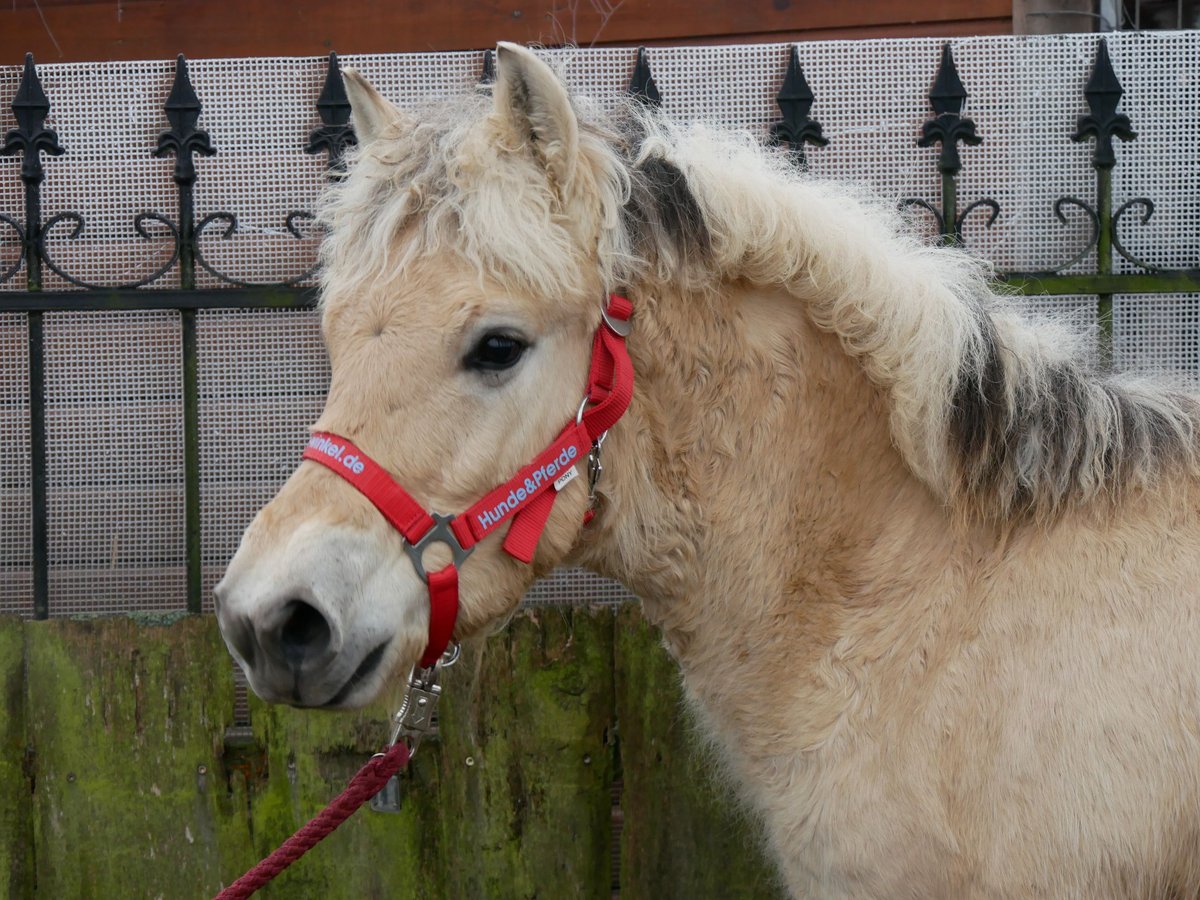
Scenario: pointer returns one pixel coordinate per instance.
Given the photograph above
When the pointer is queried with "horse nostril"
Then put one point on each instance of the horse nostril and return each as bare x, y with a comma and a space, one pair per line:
305, 633
241, 637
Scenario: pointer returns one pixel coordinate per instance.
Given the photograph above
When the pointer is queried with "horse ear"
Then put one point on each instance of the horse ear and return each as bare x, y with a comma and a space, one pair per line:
530, 97
372, 113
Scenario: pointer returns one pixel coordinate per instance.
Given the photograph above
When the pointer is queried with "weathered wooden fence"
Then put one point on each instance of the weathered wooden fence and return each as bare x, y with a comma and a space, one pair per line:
118, 781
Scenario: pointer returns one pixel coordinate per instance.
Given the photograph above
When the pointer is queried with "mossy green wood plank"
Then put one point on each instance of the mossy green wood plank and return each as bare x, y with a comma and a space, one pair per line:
511, 800
310, 756
127, 722
683, 835
526, 764
16, 808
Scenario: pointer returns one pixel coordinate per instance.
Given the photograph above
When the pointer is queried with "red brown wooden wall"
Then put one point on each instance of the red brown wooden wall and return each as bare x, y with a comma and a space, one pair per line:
86, 30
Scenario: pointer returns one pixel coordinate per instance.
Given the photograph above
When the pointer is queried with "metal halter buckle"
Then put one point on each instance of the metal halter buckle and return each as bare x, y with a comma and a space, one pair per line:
595, 467
413, 720
440, 533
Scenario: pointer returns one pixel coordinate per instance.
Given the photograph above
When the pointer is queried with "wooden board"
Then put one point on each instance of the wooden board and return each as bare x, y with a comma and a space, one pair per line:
511, 800
683, 834
120, 777
126, 722
80, 30
16, 801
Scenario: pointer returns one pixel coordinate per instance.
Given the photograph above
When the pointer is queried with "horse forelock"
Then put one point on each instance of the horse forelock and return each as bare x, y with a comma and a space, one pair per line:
457, 183
986, 408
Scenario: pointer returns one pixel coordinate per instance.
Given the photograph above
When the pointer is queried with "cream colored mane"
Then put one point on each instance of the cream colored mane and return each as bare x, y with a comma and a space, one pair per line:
1001, 416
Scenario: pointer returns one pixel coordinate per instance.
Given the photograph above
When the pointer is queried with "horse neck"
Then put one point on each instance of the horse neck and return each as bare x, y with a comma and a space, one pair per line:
752, 493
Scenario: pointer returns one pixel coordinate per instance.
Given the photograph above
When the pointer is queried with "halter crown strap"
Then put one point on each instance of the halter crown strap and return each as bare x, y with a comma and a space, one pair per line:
527, 498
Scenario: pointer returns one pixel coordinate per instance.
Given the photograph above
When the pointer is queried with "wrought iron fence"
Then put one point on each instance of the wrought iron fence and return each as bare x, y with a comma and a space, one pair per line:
183, 255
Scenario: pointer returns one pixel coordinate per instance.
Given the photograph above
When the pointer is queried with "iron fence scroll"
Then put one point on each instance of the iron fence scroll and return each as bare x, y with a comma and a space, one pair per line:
184, 233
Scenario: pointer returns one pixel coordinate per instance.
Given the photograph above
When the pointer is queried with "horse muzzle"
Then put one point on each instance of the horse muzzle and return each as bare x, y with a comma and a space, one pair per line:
302, 635
295, 655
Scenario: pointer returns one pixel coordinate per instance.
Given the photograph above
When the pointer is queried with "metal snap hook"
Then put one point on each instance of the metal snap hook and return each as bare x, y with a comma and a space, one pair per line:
595, 469
414, 719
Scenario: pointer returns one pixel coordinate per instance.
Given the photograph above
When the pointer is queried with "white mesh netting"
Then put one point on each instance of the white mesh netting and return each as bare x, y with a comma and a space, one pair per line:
16, 577
1159, 334
115, 432
263, 377
115, 451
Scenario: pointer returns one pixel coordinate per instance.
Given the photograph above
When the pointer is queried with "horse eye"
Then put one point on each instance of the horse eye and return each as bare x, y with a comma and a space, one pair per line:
495, 352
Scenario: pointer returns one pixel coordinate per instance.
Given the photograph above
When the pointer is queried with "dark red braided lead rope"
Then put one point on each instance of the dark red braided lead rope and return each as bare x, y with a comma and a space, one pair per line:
368, 782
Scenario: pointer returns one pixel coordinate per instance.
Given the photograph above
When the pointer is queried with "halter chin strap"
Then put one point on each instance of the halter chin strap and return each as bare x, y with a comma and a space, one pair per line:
527, 498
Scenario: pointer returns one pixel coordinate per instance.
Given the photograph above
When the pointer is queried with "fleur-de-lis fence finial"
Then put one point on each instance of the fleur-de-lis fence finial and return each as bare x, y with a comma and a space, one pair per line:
487, 75
1103, 93
31, 137
183, 138
949, 128
795, 100
642, 85
336, 134
948, 125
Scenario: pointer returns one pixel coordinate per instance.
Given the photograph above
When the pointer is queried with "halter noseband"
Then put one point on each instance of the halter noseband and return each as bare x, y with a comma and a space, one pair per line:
526, 498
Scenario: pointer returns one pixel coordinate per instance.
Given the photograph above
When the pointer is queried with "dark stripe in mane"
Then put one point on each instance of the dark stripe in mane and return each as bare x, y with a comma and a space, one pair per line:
1034, 436
662, 215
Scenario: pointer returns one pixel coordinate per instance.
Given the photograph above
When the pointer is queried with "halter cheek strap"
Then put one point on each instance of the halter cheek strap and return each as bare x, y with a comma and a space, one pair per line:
526, 499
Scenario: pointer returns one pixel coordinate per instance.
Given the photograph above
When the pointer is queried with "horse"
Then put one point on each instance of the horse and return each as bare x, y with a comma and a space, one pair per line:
930, 576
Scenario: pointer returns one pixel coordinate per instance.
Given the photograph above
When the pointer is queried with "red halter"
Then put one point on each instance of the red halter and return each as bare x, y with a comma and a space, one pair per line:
526, 498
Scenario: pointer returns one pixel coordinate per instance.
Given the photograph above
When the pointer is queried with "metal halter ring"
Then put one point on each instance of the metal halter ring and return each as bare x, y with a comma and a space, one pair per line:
599, 442
450, 657
440, 533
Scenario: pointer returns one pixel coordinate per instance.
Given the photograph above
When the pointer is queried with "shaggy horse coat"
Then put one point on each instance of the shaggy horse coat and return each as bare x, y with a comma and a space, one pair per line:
931, 582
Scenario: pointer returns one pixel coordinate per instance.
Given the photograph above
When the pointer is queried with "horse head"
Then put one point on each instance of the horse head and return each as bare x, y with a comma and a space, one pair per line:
461, 290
